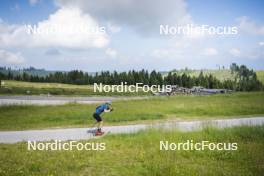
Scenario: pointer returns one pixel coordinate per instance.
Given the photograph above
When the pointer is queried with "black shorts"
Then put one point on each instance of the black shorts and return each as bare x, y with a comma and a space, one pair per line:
97, 117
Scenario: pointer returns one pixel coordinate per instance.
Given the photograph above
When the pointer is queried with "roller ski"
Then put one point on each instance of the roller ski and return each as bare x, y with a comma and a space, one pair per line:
99, 132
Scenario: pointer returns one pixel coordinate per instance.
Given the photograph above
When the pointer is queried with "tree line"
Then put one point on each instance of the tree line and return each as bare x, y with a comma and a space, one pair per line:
245, 79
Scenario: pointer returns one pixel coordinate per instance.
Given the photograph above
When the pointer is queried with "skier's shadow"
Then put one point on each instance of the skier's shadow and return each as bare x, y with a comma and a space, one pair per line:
91, 131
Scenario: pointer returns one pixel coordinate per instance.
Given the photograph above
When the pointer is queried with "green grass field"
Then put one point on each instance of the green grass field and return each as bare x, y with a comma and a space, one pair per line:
10, 87
139, 154
134, 111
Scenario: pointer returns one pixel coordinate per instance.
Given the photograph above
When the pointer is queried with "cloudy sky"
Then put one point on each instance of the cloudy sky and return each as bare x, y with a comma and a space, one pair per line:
131, 36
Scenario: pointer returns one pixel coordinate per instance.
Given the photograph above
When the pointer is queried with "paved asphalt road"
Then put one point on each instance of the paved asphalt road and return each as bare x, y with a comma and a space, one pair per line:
83, 133
57, 100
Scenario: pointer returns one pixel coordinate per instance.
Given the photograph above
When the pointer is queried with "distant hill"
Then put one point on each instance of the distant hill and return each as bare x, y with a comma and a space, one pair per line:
30, 71
223, 74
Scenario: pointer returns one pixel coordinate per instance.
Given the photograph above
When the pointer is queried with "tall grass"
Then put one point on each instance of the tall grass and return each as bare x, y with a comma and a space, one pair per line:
139, 154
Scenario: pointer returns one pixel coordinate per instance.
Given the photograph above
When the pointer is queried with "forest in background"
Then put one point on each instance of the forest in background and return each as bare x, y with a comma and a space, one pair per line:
244, 79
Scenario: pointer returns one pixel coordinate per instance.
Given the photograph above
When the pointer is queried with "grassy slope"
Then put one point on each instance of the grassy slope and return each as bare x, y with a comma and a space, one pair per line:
185, 107
219, 74
260, 75
21, 88
139, 154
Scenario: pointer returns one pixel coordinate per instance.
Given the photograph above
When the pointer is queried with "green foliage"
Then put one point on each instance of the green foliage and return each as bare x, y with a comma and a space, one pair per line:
82, 78
246, 79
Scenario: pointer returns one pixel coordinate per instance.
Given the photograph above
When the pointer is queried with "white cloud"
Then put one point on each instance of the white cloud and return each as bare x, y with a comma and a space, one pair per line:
33, 2
210, 52
180, 48
249, 26
143, 16
261, 43
113, 28
7, 57
111, 52
235, 52
64, 19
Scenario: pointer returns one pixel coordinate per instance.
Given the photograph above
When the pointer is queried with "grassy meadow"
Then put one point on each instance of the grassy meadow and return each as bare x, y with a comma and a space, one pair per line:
10, 87
134, 154
139, 154
180, 107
